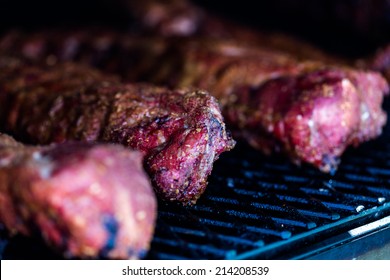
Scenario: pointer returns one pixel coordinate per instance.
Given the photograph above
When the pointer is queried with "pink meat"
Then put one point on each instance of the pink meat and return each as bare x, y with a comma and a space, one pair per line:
87, 201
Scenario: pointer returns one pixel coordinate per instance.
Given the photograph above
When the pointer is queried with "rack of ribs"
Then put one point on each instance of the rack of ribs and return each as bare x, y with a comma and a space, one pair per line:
86, 200
281, 102
180, 132
309, 110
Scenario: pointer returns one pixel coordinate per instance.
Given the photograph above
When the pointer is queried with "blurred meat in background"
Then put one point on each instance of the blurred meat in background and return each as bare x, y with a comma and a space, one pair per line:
350, 27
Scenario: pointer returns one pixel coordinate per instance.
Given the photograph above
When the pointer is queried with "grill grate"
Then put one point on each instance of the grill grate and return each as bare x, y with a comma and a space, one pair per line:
249, 211
263, 207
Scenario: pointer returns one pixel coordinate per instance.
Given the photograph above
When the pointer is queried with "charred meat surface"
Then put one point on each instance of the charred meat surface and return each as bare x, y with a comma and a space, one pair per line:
307, 109
235, 73
180, 132
86, 200
229, 69
312, 117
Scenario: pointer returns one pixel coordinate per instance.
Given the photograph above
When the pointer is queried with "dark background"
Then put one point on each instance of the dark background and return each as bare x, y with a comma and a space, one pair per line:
348, 27
43, 13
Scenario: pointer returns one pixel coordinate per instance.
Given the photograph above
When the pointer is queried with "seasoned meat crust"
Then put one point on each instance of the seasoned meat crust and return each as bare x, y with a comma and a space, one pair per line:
309, 110
86, 200
235, 73
312, 117
180, 132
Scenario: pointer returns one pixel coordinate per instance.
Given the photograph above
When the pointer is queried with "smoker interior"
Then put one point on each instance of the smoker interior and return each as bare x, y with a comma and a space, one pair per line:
264, 207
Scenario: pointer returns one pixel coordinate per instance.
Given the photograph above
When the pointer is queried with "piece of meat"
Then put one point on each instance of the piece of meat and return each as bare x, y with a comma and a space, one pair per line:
105, 49
109, 49
184, 18
313, 117
228, 69
362, 19
180, 132
309, 110
86, 200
